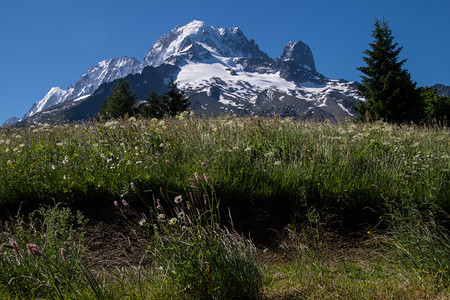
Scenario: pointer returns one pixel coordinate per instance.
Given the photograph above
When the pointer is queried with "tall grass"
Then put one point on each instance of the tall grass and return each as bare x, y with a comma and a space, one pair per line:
42, 257
308, 167
332, 165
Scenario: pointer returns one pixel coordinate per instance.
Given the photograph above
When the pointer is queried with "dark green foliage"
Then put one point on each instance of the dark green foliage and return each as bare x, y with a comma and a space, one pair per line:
121, 101
436, 107
386, 86
154, 106
169, 104
176, 100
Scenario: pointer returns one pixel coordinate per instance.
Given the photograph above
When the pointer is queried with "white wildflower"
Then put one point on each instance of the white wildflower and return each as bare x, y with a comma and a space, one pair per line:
178, 199
269, 154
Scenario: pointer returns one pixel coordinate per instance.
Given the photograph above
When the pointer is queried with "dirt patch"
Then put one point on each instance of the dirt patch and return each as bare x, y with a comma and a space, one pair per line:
115, 238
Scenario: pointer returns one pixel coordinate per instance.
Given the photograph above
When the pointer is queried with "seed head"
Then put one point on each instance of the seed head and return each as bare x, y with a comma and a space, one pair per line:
34, 250
63, 253
15, 246
168, 162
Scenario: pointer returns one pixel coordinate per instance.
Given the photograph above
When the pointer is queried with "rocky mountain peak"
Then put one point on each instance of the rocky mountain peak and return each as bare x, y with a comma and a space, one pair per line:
300, 54
229, 42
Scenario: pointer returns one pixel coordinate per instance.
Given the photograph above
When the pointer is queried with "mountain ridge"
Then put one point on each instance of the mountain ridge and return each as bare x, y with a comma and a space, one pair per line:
219, 68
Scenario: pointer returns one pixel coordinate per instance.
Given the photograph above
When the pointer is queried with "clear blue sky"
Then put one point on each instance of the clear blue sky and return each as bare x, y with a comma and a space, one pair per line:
46, 43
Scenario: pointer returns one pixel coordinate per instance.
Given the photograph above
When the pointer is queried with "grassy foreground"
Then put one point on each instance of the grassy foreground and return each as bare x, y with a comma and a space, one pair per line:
309, 170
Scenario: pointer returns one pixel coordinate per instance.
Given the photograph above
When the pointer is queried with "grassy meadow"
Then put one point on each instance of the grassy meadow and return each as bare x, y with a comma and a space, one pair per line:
186, 175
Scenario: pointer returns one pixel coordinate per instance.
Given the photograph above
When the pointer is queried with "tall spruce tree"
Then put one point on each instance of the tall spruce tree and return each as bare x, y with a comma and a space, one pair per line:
121, 101
175, 99
169, 104
387, 87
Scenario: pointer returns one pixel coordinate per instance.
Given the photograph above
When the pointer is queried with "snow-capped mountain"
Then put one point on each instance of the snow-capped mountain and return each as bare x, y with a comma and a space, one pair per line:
103, 72
220, 70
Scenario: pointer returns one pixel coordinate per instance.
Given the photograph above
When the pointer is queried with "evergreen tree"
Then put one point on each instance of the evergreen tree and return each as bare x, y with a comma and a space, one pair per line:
436, 107
169, 104
154, 107
175, 99
121, 101
387, 87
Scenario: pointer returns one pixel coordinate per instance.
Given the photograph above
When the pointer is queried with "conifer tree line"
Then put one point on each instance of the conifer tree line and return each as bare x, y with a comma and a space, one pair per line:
123, 101
390, 93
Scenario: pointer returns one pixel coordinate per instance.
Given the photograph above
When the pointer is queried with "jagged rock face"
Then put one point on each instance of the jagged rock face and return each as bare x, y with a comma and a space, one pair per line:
442, 89
197, 35
300, 54
104, 72
220, 70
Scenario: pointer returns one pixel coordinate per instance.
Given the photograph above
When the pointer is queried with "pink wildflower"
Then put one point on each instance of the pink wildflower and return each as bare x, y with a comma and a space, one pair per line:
63, 253
33, 249
168, 162
116, 204
133, 187
15, 246
206, 179
204, 198
204, 165
125, 203
158, 205
197, 177
191, 181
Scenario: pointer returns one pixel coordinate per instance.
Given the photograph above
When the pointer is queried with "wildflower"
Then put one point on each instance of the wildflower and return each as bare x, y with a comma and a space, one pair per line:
191, 181
181, 215
125, 203
269, 154
116, 204
142, 222
34, 250
63, 253
204, 165
161, 217
15, 246
158, 205
168, 162
133, 187
248, 149
197, 177
277, 163
206, 179
173, 221
178, 199
204, 198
